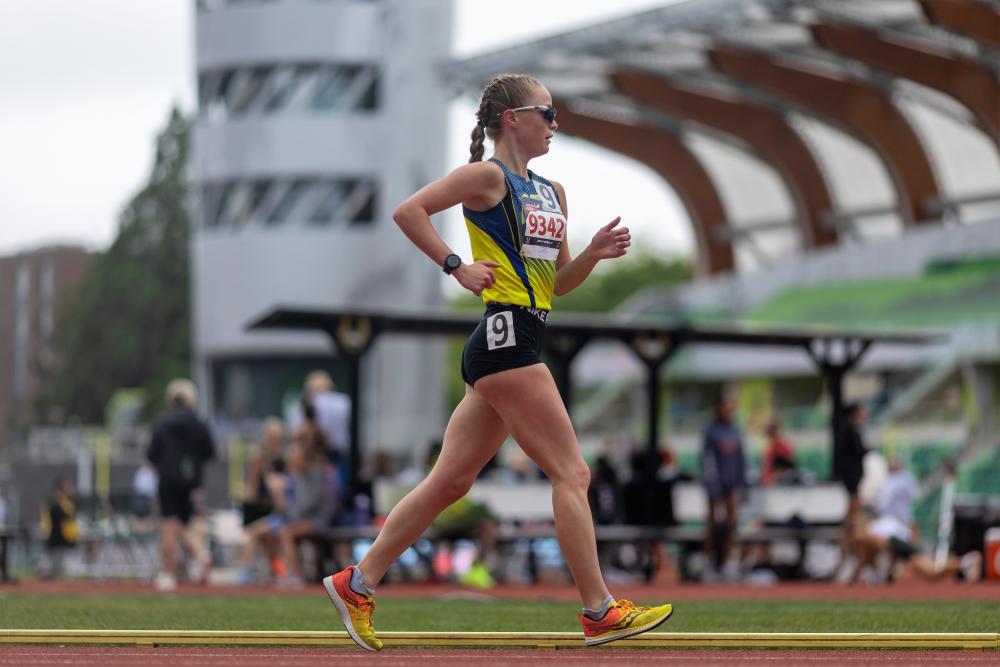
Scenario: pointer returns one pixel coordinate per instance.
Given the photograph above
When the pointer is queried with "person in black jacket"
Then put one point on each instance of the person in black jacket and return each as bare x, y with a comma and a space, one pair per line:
848, 465
181, 445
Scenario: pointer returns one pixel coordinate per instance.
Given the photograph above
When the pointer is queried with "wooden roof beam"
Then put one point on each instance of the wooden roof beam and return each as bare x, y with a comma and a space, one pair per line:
763, 129
964, 80
856, 107
665, 154
977, 20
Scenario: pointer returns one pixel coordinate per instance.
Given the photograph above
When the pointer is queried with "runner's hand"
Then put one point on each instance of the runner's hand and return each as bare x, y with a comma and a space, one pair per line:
609, 242
477, 276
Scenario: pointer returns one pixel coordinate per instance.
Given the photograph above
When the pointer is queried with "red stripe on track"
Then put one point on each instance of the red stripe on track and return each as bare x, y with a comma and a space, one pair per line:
44, 656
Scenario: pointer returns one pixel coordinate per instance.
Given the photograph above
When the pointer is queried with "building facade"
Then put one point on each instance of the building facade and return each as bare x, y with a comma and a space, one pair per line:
315, 118
33, 288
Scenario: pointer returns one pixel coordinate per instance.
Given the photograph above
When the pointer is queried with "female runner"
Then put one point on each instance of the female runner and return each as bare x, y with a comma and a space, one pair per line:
517, 224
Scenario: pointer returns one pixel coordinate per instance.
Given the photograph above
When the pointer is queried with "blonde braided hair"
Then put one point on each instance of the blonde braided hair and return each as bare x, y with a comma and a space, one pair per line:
504, 91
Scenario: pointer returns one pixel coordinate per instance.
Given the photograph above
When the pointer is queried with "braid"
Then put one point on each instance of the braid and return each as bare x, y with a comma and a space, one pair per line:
503, 91
476, 147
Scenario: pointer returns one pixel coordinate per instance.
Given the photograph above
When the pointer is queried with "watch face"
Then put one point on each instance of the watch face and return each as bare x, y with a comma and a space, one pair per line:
452, 262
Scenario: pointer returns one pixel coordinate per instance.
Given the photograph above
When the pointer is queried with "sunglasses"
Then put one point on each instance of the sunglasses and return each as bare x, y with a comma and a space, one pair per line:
549, 113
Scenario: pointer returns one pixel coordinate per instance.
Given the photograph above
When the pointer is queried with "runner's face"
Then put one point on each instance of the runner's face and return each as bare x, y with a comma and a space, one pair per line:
533, 130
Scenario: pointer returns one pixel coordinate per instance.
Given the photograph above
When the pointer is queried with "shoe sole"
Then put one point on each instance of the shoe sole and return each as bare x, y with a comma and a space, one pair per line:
629, 632
345, 615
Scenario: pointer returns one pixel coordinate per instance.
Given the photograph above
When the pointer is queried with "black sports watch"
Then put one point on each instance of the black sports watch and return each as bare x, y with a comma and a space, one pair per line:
451, 262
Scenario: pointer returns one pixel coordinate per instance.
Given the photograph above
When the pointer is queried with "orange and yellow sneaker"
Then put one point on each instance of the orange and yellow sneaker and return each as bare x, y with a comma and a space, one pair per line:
355, 609
623, 619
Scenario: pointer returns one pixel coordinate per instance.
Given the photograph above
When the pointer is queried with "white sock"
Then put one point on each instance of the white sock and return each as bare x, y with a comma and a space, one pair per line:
357, 583
598, 614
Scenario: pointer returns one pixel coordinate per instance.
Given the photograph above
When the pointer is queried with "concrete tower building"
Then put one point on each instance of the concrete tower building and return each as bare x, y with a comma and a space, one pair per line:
315, 118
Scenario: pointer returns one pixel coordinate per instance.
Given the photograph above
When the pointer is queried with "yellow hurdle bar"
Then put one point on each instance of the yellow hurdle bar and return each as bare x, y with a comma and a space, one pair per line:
547, 640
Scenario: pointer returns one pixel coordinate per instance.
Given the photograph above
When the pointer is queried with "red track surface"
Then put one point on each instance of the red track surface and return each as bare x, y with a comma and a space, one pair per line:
908, 590
37, 656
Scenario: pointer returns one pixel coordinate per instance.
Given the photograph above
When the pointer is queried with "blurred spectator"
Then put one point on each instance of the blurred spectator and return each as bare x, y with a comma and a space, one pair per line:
144, 485
848, 466
468, 519
648, 500
312, 501
778, 461
263, 532
332, 414
266, 460
521, 469
414, 473
303, 503
605, 493
463, 519
181, 445
890, 535
890, 530
648, 495
723, 472
59, 528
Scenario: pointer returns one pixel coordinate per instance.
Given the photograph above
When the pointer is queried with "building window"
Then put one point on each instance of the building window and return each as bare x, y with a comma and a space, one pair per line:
311, 201
206, 6
311, 87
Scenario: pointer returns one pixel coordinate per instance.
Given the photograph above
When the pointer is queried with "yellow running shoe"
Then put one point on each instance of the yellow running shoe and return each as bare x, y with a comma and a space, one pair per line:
623, 619
355, 609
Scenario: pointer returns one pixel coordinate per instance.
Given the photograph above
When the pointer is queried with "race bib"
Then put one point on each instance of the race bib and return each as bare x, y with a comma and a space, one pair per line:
544, 224
500, 330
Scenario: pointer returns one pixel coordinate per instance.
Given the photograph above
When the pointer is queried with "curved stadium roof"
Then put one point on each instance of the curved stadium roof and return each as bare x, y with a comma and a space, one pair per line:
787, 125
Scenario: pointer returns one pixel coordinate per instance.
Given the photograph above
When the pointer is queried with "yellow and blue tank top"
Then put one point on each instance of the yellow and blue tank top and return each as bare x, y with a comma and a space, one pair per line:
523, 234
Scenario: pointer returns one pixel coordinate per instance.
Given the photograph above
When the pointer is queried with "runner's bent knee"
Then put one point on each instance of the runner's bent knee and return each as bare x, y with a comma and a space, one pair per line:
575, 474
448, 489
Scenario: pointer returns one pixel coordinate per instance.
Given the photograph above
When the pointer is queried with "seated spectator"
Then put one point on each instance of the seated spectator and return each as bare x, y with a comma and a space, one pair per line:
59, 528
891, 535
313, 500
268, 459
778, 462
303, 503
262, 534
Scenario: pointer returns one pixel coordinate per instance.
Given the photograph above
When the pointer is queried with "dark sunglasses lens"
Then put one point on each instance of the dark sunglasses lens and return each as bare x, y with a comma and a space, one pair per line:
550, 114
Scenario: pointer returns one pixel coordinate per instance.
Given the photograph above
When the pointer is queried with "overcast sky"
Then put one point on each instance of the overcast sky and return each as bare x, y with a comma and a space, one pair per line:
86, 86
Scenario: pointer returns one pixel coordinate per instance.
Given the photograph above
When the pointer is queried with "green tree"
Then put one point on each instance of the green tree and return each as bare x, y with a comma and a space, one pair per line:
613, 283
129, 325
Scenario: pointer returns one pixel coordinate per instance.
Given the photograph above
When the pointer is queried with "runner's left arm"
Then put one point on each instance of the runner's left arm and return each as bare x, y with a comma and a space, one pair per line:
607, 243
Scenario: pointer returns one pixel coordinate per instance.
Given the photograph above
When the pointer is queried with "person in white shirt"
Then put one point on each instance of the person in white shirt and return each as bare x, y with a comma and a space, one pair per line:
333, 413
891, 534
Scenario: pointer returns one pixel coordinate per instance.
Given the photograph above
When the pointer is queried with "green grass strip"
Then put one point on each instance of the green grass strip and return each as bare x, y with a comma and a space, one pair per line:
284, 612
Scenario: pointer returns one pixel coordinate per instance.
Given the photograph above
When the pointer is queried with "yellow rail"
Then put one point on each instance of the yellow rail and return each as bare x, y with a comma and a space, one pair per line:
548, 640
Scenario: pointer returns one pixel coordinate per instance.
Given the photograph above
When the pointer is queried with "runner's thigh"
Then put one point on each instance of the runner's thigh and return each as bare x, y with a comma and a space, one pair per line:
474, 434
529, 403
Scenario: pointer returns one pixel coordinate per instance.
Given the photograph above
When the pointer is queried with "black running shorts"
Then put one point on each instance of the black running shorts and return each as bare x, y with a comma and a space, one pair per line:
507, 337
904, 551
175, 501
